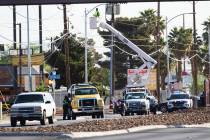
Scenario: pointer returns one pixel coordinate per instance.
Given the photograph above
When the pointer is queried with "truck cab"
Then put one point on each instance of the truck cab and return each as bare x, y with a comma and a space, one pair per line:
86, 101
136, 102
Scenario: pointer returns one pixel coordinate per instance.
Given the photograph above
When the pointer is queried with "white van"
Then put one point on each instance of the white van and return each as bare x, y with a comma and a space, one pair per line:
33, 106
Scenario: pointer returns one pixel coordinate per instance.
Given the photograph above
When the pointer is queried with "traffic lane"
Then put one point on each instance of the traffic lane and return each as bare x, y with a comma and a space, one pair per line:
27, 138
159, 134
58, 121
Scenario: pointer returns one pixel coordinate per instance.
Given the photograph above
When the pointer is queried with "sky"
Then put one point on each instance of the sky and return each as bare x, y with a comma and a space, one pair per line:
53, 19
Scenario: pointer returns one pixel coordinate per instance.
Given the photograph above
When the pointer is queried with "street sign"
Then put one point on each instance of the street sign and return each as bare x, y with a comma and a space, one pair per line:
42, 2
54, 77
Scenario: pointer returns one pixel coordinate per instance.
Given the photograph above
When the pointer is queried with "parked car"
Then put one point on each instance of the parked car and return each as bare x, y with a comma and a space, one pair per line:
179, 100
33, 106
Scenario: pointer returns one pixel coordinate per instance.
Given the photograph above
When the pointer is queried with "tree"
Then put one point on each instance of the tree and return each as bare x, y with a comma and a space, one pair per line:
76, 52
179, 41
203, 52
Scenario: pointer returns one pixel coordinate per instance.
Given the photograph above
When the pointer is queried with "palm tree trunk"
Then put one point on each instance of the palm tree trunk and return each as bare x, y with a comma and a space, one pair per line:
179, 73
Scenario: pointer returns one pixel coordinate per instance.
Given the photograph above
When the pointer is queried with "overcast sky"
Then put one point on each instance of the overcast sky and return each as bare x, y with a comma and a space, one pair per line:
53, 18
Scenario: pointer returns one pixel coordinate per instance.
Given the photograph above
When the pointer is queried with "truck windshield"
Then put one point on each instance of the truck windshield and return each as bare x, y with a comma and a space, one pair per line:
135, 96
29, 99
85, 91
179, 96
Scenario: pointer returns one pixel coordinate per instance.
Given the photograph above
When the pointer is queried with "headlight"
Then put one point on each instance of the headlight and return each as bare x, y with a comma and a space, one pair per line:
37, 109
74, 103
14, 109
185, 102
100, 102
143, 103
170, 103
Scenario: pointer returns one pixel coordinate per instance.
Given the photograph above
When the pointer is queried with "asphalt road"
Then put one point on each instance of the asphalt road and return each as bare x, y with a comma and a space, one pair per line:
156, 134
162, 134
59, 121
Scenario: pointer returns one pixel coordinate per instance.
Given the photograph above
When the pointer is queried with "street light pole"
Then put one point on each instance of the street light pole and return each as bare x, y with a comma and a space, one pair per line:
168, 55
86, 69
86, 51
29, 53
168, 51
20, 59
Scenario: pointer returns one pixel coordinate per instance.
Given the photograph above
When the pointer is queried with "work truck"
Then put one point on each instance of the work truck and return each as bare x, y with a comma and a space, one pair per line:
86, 101
135, 101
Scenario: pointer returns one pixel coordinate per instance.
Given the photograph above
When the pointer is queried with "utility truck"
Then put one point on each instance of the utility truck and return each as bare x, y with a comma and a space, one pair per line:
134, 101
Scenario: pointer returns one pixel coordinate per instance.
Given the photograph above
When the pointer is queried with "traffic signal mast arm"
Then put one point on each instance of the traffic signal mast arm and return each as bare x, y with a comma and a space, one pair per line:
149, 62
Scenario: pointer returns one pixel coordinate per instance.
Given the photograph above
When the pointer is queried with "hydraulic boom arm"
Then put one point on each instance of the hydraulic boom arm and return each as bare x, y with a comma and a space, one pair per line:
149, 62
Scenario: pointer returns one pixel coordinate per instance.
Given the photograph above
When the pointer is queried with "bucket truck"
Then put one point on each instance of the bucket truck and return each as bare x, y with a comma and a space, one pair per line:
134, 101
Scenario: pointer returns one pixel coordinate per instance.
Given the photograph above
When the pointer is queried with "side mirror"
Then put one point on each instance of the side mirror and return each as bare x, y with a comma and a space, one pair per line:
147, 98
47, 102
168, 98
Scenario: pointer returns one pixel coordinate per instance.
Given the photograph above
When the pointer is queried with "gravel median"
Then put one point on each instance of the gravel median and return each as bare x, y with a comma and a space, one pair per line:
189, 117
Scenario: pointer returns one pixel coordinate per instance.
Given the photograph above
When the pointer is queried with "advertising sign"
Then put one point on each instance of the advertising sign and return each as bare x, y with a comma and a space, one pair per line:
143, 77
7, 78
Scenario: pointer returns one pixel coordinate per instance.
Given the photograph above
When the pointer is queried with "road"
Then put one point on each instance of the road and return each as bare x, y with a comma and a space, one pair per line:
156, 134
163, 134
59, 121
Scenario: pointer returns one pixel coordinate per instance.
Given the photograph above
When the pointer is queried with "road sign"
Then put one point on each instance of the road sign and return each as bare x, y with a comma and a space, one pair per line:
54, 77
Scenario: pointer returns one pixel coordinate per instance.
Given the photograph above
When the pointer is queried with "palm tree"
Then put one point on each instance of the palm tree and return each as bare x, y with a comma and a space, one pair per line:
180, 40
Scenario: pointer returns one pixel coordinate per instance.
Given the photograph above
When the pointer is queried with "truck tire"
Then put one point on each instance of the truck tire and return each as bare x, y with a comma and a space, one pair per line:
127, 113
22, 122
13, 122
43, 119
102, 115
51, 119
74, 116
163, 108
93, 116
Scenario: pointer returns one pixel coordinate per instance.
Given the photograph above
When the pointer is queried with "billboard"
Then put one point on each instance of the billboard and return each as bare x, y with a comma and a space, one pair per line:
37, 59
143, 77
7, 78
40, 2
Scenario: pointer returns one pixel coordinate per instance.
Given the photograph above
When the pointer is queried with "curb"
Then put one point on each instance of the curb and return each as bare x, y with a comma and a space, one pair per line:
73, 135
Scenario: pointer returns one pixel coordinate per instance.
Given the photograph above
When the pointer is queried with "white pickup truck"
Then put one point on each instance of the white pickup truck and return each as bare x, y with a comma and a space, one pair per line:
33, 106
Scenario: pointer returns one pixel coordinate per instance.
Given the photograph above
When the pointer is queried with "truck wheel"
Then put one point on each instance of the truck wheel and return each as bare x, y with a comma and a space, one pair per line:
154, 111
102, 114
74, 117
93, 116
51, 119
43, 119
127, 113
163, 109
13, 122
22, 122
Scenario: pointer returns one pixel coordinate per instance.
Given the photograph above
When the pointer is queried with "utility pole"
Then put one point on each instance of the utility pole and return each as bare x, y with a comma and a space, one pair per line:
209, 45
14, 27
112, 61
40, 42
15, 42
194, 66
20, 59
67, 66
158, 44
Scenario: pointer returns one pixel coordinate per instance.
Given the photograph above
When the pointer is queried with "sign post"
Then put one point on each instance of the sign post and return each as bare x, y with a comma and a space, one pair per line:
53, 76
